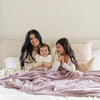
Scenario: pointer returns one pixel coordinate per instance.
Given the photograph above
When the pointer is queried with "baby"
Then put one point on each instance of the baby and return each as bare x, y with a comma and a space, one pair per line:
42, 56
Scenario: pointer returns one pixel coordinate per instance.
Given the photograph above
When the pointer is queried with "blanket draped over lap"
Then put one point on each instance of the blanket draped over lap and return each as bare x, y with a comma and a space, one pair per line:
50, 82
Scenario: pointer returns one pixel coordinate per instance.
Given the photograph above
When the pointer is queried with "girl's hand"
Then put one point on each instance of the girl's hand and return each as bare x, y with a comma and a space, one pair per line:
61, 59
66, 58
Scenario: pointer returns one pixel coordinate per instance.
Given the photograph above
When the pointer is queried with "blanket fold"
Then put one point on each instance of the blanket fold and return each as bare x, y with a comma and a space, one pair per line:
50, 82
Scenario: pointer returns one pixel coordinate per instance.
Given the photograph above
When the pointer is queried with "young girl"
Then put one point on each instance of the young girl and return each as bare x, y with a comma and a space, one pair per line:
42, 57
65, 56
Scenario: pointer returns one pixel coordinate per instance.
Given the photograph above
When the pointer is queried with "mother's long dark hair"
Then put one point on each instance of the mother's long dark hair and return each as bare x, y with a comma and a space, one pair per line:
68, 50
28, 47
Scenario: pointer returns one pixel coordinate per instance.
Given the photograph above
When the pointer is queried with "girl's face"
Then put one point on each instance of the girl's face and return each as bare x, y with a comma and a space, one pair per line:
60, 49
44, 51
33, 40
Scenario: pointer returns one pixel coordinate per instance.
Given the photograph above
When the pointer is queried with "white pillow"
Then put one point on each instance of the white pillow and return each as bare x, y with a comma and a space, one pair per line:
86, 66
82, 51
96, 54
12, 62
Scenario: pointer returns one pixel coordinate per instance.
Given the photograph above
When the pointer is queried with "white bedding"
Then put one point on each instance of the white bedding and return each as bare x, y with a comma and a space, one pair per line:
13, 94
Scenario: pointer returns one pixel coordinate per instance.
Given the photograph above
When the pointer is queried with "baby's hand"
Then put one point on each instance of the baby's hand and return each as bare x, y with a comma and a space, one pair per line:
30, 69
46, 65
41, 66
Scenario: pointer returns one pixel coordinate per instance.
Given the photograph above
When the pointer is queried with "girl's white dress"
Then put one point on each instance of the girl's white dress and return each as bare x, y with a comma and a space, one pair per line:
68, 66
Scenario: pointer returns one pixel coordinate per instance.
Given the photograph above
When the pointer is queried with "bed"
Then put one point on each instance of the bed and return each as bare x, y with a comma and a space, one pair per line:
10, 51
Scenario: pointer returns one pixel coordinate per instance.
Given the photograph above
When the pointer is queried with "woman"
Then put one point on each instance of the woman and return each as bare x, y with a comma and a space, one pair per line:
30, 48
65, 56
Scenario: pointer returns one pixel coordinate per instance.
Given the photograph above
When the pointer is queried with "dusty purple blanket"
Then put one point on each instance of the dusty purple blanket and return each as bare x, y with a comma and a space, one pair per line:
50, 82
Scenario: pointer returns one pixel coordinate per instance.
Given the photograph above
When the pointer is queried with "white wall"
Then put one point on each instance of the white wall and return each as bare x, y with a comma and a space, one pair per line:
52, 18
0, 34
0, 20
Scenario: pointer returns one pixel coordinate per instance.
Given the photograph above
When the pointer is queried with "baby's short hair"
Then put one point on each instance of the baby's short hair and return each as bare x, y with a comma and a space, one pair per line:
44, 45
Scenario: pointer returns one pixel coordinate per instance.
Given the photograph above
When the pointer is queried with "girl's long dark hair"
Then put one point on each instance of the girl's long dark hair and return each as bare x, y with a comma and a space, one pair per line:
68, 50
28, 47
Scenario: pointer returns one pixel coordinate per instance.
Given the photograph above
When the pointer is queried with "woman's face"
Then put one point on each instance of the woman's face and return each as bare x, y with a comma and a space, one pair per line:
33, 40
60, 49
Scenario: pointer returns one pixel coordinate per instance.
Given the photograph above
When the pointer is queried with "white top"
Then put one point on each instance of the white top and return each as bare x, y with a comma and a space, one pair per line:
29, 59
39, 59
68, 66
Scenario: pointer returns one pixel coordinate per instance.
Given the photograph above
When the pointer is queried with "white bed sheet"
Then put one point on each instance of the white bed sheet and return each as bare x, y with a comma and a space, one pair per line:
13, 94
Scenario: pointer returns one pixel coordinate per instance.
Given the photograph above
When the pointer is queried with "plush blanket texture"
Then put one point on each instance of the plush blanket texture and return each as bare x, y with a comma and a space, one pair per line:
50, 82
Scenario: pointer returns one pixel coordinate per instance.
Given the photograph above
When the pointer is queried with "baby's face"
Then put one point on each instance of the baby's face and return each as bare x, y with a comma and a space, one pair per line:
44, 51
